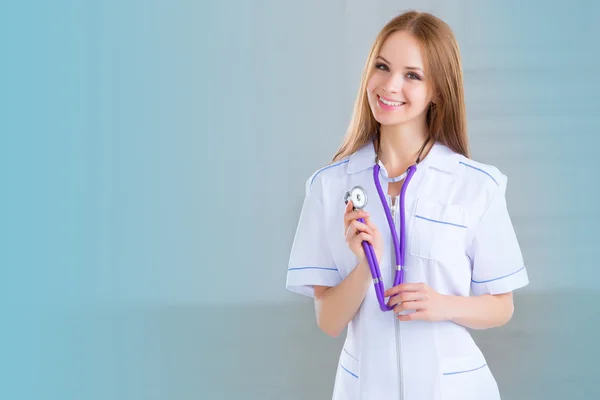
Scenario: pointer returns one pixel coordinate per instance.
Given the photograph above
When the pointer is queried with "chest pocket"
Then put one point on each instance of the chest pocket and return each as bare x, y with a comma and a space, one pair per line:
438, 231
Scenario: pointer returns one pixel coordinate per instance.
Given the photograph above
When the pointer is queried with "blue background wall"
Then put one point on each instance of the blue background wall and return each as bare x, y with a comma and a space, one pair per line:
153, 159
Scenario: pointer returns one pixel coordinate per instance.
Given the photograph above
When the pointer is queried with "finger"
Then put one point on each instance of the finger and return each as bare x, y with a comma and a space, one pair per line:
406, 296
349, 207
363, 237
410, 306
355, 214
361, 227
370, 223
404, 287
419, 315
356, 227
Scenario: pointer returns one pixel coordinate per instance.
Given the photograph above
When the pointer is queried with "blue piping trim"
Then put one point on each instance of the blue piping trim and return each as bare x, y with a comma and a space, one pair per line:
462, 372
480, 170
298, 268
350, 355
502, 277
440, 222
327, 167
354, 375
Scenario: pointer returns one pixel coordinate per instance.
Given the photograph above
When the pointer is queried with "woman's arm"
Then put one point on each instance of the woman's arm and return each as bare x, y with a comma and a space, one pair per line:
475, 312
335, 306
480, 312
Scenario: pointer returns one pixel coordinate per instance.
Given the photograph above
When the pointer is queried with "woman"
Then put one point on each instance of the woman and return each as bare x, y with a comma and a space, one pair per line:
459, 259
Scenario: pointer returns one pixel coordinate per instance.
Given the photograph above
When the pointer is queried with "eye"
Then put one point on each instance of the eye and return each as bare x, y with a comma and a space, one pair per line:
412, 75
382, 67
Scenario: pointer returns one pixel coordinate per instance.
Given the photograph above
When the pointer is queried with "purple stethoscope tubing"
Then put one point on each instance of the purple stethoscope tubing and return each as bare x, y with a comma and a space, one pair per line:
399, 244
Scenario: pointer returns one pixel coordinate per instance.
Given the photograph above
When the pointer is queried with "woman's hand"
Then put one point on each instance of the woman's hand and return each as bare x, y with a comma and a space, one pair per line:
357, 232
426, 303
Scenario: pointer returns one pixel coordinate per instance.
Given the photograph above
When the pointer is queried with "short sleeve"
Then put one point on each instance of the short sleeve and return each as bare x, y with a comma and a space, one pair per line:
311, 262
494, 250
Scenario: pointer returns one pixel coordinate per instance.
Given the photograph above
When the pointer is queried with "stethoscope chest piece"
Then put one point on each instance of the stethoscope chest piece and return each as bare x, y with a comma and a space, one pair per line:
358, 196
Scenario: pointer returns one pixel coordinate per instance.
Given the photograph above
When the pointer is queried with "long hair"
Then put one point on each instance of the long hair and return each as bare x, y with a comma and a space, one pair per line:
446, 120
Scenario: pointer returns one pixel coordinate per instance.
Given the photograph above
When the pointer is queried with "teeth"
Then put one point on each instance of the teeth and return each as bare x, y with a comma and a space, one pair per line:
391, 103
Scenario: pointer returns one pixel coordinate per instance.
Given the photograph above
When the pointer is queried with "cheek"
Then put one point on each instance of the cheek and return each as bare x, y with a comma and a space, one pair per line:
372, 84
417, 93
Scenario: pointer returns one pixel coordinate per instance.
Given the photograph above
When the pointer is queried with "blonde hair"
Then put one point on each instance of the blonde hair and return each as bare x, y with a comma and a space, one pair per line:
446, 119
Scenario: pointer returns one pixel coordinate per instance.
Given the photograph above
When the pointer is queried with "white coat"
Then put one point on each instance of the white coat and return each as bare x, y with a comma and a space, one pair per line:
460, 241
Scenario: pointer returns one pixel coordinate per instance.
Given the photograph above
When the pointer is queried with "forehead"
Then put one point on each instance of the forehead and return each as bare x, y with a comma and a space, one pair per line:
402, 49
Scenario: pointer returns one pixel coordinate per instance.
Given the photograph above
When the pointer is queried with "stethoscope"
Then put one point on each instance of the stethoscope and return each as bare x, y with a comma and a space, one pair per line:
358, 196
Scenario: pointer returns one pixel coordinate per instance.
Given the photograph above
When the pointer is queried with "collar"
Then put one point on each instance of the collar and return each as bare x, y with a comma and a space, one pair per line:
439, 157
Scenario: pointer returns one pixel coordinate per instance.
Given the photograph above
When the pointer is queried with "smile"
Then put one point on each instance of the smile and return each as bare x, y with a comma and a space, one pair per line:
387, 104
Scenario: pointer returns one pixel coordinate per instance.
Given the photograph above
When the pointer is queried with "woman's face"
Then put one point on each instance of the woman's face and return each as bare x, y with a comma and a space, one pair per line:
398, 90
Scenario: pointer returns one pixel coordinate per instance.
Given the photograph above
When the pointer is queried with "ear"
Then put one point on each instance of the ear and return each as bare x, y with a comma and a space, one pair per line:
434, 99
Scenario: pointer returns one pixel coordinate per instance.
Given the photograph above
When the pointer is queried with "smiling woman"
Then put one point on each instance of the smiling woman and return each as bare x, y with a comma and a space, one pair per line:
398, 82
426, 217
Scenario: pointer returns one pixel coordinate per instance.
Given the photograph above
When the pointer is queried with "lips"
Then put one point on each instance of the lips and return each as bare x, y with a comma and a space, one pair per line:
389, 104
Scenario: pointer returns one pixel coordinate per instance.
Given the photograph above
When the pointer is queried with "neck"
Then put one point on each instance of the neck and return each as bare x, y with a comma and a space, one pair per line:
400, 145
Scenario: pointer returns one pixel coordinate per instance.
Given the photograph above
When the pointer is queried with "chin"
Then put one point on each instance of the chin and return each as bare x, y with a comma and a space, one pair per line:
386, 120
389, 119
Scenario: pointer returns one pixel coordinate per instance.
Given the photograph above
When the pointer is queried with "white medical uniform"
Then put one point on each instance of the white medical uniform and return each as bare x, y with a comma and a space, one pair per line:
459, 240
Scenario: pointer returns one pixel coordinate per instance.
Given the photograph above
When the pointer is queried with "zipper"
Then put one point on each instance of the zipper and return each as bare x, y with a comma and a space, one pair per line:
394, 204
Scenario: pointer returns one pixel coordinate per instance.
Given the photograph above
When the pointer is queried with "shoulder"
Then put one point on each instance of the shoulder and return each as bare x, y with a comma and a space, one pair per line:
331, 172
469, 176
337, 173
475, 172
470, 182
480, 183
472, 174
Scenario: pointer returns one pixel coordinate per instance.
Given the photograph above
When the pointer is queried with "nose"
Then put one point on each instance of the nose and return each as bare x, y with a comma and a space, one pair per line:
393, 84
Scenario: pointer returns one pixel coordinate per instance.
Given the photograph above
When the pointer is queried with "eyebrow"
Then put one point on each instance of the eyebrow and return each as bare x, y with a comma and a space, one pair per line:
413, 68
